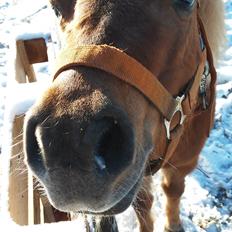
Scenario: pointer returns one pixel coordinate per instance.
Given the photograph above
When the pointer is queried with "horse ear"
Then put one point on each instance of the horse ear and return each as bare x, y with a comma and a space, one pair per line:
63, 8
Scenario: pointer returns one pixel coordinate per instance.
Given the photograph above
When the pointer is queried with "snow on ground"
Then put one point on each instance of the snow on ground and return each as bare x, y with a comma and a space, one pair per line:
16, 19
207, 201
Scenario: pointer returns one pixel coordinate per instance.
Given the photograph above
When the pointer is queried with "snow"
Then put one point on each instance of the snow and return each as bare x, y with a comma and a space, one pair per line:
207, 201
35, 35
23, 98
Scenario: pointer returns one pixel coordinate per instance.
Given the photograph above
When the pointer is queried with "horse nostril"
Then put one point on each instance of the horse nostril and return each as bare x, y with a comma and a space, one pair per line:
31, 148
106, 146
113, 149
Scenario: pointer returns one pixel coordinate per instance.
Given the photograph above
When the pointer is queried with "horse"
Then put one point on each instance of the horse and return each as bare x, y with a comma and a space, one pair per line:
133, 92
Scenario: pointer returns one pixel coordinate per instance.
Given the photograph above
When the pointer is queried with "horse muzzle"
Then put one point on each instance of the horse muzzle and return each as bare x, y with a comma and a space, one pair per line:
83, 164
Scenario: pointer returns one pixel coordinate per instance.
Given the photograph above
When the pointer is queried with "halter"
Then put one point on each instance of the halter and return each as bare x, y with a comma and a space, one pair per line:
116, 62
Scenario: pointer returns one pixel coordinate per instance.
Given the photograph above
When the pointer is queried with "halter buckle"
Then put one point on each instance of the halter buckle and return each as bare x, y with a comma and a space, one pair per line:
179, 109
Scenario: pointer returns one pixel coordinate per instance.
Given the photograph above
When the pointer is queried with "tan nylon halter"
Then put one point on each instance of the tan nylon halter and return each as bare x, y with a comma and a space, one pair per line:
116, 62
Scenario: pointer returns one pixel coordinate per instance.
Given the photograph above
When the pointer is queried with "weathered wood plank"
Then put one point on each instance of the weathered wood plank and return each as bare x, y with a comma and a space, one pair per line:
36, 50
29, 70
18, 179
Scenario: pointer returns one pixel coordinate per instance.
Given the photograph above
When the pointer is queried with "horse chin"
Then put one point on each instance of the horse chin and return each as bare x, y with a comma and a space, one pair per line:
65, 204
122, 205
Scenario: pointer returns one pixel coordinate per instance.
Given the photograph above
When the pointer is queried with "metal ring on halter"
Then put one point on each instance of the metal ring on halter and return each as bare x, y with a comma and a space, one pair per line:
179, 109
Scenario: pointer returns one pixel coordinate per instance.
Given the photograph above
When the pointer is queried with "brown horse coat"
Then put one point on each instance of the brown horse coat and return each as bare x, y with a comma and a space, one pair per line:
90, 137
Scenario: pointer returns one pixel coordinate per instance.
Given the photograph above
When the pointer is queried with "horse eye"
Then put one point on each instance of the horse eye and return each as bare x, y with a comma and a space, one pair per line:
57, 13
186, 4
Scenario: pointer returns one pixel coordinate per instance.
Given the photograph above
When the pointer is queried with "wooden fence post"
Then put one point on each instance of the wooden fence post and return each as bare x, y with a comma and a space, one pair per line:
18, 180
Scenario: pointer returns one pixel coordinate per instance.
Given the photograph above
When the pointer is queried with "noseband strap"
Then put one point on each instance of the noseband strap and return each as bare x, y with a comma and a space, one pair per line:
122, 66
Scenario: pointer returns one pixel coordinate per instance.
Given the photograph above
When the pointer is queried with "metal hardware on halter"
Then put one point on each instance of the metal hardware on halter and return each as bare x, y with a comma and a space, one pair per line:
203, 86
202, 43
179, 108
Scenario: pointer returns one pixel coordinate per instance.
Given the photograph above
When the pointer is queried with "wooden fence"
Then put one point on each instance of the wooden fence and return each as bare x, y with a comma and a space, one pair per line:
26, 205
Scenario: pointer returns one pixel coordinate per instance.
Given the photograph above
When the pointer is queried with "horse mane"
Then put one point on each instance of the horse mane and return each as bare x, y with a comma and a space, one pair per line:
212, 14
